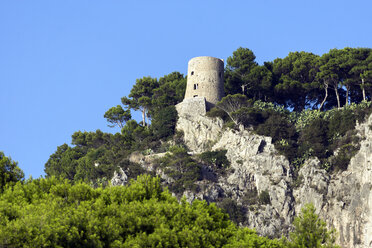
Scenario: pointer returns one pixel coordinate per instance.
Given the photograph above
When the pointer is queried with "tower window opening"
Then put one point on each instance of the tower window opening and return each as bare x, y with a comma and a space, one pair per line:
220, 74
196, 86
195, 95
192, 73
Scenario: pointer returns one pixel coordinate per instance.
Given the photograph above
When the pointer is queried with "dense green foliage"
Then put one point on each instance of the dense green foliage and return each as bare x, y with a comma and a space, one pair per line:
164, 122
236, 212
328, 135
231, 104
150, 95
216, 158
9, 171
117, 116
171, 91
55, 213
183, 170
310, 231
303, 80
140, 96
96, 155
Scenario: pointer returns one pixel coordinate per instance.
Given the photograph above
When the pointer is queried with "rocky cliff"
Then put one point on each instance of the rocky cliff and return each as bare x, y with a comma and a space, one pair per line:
343, 199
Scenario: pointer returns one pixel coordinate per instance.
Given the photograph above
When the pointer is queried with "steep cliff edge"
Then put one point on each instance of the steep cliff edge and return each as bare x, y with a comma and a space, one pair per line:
256, 167
341, 198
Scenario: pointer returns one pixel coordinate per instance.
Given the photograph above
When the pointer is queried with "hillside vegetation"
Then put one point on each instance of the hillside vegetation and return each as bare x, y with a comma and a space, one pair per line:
55, 213
308, 104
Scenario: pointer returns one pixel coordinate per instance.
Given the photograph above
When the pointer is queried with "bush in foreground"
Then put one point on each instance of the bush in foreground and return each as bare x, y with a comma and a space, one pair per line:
54, 213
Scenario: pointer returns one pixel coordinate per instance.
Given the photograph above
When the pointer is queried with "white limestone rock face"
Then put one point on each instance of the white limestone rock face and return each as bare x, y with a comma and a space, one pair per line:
255, 166
313, 185
361, 167
351, 190
342, 199
211, 192
119, 178
192, 106
199, 130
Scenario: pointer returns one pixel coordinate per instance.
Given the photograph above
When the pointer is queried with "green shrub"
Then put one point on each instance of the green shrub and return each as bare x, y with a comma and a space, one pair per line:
217, 112
314, 138
344, 154
184, 176
341, 122
10, 173
288, 148
269, 106
362, 110
164, 122
277, 127
215, 158
181, 168
311, 231
250, 197
304, 118
282, 132
133, 170
230, 124
236, 212
264, 197
248, 116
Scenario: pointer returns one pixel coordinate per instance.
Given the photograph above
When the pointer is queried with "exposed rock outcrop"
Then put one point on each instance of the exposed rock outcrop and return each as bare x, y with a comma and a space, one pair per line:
343, 199
200, 132
119, 178
255, 167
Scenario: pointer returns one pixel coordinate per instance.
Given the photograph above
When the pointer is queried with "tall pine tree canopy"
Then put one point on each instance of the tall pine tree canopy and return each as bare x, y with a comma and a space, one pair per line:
55, 213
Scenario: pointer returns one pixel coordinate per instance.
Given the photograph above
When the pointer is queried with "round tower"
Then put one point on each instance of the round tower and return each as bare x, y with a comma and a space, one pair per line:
205, 79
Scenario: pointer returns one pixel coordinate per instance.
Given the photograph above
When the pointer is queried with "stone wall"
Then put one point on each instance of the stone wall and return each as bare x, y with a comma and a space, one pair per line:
192, 106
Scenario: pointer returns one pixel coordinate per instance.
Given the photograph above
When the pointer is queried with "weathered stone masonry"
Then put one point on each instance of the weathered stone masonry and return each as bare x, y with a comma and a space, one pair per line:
205, 79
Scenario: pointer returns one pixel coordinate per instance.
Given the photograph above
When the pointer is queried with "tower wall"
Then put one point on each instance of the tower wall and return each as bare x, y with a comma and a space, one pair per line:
205, 79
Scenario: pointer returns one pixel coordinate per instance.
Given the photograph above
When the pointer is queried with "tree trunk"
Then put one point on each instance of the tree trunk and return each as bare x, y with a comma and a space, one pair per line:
147, 120
325, 97
120, 124
243, 88
363, 90
143, 117
337, 96
231, 117
347, 95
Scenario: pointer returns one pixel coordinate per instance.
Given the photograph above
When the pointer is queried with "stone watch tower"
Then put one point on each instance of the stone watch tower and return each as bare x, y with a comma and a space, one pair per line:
205, 80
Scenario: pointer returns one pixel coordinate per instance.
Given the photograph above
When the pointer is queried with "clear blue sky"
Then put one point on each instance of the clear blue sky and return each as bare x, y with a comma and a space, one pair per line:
64, 63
